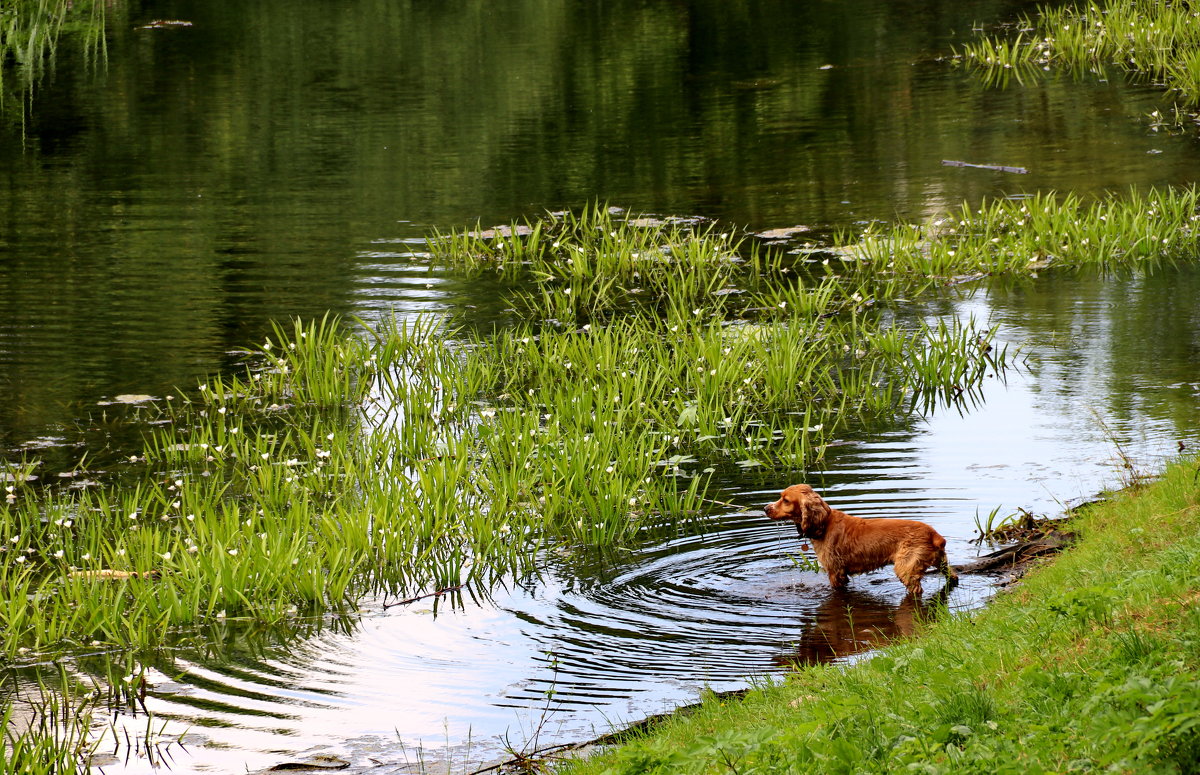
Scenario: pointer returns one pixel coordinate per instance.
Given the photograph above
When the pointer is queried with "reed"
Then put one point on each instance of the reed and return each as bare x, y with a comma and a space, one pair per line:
1158, 40
1024, 236
30, 31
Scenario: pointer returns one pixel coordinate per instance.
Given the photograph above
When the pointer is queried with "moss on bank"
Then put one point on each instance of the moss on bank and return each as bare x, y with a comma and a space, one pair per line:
1090, 664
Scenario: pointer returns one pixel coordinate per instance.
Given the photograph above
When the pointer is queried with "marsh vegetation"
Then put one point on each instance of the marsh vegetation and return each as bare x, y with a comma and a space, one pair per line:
635, 359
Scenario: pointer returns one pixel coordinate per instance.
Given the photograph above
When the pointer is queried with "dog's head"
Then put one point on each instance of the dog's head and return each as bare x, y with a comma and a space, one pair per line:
800, 504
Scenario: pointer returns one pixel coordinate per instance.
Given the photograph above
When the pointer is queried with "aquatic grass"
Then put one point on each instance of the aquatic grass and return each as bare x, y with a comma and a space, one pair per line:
1138, 229
601, 260
30, 32
1157, 39
52, 734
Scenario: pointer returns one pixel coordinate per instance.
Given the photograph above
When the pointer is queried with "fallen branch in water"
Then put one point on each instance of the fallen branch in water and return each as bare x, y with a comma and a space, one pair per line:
996, 167
1010, 556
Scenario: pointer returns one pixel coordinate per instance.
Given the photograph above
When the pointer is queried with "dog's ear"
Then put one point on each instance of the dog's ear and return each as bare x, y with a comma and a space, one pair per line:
814, 515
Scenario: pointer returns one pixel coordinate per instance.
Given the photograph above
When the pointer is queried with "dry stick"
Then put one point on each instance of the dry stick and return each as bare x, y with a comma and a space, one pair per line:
1019, 170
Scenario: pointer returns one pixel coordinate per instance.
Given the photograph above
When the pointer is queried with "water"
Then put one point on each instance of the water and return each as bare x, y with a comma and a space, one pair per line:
279, 159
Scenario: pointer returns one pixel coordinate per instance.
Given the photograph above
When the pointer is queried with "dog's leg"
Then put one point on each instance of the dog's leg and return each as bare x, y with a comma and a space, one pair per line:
910, 570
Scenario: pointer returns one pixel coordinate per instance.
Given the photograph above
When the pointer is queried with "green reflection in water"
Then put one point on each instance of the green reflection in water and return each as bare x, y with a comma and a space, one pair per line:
271, 159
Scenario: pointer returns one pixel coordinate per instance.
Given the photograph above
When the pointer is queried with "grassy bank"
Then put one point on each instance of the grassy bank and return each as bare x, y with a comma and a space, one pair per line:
1089, 664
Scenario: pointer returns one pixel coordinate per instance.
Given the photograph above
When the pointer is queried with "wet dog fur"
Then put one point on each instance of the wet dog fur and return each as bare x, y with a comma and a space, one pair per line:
847, 545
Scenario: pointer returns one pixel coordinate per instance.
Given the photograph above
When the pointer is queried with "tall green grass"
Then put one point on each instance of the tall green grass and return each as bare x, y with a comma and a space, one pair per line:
1138, 229
30, 31
1156, 39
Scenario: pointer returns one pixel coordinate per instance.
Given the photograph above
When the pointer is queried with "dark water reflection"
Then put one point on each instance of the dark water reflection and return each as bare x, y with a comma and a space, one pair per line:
277, 159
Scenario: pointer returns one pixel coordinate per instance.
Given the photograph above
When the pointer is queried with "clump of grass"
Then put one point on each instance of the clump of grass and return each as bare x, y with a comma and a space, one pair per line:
1156, 39
1028, 235
30, 31
601, 261
50, 730
410, 456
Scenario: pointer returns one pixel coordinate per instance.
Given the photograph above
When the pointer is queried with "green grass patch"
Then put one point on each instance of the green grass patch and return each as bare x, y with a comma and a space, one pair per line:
1137, 230
1089, 665
30, 31
1158, 40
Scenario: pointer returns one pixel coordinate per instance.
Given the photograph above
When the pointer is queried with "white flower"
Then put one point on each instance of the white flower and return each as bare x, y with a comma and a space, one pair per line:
58, 554
233, 552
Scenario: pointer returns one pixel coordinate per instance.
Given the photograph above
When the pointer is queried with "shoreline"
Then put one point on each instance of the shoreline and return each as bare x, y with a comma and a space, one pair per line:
984, 684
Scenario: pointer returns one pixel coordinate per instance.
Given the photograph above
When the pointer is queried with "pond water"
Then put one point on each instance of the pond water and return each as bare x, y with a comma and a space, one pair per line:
278, 159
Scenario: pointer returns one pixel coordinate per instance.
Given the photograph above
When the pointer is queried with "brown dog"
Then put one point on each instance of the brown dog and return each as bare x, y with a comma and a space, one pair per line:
847, 544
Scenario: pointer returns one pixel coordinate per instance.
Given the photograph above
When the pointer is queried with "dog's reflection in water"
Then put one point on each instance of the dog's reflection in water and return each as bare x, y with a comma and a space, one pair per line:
850, 622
